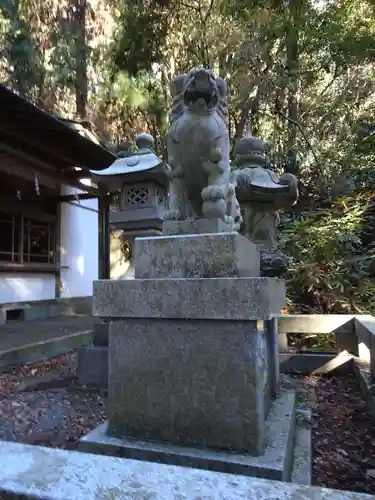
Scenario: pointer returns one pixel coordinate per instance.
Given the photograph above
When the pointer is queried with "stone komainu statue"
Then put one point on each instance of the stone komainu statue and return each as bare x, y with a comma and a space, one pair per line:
198, 150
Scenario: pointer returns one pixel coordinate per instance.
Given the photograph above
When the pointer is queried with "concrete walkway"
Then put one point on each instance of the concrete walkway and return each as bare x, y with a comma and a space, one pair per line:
31, 341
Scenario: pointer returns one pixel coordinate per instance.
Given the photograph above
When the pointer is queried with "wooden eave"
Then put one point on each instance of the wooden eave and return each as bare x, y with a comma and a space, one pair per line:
44, 141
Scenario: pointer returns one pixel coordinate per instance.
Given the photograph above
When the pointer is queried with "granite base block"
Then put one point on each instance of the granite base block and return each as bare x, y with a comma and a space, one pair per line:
92, 367
189, 382
274, 463
194, 298
196, 256
93, 360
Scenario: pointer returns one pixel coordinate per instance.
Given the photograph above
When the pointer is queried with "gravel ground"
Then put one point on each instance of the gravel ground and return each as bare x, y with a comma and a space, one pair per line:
42, 404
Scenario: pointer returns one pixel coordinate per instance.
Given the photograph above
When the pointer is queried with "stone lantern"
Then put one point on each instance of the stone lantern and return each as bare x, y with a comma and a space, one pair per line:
261, 194
140, 179
139, 183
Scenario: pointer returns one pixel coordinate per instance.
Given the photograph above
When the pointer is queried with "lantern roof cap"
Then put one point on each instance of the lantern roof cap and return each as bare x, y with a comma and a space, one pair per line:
139, 161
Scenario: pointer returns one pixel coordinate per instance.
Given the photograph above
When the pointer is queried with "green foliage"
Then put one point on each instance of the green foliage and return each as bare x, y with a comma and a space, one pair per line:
24, 65
329, 272
144, 27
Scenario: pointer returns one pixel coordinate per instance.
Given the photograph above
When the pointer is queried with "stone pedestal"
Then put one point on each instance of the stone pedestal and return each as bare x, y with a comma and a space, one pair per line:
92, 366
193, 383
192, 344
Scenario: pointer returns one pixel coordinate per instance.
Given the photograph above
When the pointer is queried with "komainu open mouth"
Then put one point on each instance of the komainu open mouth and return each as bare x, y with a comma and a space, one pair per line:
192, 96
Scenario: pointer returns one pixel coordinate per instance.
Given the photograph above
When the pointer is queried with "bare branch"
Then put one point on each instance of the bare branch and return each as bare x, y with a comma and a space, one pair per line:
336, 75
300, 128
209, 10
190, 47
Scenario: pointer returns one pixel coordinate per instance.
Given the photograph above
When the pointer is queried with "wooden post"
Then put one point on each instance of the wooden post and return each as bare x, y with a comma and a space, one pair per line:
58, 282
104, 240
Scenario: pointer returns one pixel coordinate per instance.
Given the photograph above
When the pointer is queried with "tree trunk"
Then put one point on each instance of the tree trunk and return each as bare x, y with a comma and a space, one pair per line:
291, 42
241, 123
279, 125
81, 86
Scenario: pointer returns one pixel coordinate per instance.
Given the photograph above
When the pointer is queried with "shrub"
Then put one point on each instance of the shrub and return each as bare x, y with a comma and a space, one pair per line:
330, 269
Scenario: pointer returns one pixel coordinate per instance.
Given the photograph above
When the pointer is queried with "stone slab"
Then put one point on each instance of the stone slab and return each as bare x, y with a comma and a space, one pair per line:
195, 226
195, 298
189, 382
81, 476
92, 366
196, 256
274, 463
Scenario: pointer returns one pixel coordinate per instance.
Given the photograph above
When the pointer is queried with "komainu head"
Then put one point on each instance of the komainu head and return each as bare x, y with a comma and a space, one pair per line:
199, 89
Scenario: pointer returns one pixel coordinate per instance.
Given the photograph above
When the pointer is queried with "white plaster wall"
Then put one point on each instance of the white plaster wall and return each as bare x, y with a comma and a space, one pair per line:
18, 287
79, 245
121, 268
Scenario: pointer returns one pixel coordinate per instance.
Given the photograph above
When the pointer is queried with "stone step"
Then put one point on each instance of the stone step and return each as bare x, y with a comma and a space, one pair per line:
275, 463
